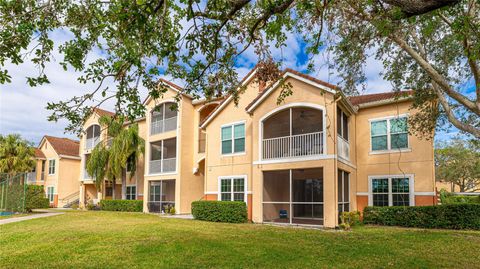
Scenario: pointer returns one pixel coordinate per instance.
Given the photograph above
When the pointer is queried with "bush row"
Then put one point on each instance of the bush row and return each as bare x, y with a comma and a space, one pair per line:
453, 216
220, 211
122, 205
461, 199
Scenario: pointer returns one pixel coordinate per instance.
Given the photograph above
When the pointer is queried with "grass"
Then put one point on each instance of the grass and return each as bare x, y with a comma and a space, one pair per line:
135, 240
15, 215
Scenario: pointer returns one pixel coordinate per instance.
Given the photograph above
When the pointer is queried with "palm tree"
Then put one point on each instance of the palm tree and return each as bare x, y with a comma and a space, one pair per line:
123, 148
16, 155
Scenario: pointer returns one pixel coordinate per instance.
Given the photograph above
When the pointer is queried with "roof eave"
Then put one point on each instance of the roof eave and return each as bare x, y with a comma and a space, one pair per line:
384, 102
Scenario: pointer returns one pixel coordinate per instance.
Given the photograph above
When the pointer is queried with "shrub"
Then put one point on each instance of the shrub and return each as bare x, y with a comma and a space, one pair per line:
35, 198
453, 216
220, 211
349, 219
461, 199
32, 195
122, 205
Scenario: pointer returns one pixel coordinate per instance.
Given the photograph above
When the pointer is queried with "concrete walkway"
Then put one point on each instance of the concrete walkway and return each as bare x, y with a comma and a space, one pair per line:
44, 214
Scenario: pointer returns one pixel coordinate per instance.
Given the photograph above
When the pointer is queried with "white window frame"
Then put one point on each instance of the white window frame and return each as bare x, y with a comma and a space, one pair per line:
52, 200
231, 178
134, 193
411, 187
54, 166
342, 113
389, 147
232, 125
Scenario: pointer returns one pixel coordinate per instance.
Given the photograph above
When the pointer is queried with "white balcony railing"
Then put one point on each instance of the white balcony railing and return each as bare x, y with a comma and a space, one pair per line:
293, 146
163, 126
343, 148
90, 143
32, 178
163, 166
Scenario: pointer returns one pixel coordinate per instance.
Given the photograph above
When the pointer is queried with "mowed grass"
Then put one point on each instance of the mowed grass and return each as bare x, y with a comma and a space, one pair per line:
134, 240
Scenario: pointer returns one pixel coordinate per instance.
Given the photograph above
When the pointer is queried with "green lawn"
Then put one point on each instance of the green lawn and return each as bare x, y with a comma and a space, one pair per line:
133, 240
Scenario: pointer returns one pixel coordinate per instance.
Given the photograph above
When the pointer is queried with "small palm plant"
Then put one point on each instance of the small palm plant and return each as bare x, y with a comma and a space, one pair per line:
109, 159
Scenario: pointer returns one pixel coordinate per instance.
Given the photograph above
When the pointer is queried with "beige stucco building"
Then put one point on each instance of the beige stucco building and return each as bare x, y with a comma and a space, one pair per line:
57, 167
302, 161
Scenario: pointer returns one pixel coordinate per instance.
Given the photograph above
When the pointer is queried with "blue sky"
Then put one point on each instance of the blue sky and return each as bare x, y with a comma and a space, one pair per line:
22, 108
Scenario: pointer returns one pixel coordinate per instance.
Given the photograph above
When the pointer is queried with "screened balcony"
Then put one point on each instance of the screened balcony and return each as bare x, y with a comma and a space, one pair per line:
293, 196
163, 156
162, 196
93, 137
293, 132
343, 145
164, 119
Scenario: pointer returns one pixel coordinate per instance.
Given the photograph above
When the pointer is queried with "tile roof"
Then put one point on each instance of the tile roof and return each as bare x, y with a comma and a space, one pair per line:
377, 97
103, 112
64, 146
39, 154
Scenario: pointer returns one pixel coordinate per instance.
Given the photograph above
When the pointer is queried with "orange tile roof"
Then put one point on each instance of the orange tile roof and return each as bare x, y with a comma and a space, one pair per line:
376, 97
64, 146
103, 112
39, 154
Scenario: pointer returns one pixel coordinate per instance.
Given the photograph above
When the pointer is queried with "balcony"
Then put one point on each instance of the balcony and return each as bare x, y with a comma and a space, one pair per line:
294, 132
202, 141
343, 148
293, 146
32, 178
92, 136
163, 166
163, 156
162, 126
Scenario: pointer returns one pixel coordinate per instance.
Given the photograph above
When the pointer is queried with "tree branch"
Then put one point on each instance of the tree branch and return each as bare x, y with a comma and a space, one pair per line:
412, 8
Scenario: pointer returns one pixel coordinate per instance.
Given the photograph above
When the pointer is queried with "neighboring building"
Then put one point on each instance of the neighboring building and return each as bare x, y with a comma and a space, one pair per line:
57, 168
316, 154
92, 135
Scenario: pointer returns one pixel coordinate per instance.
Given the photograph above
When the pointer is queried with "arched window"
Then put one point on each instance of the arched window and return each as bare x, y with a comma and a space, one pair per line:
293, 132
93, 136
164, 118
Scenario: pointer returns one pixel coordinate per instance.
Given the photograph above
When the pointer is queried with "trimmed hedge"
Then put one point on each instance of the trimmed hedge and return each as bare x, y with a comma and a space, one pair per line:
461, 199
454, 216
220, 211
122, 205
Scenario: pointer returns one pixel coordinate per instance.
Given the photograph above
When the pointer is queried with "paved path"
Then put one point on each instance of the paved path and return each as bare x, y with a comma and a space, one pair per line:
34, 216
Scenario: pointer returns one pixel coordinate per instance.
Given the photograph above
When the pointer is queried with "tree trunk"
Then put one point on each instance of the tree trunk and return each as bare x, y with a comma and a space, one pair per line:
113, 188
124, 184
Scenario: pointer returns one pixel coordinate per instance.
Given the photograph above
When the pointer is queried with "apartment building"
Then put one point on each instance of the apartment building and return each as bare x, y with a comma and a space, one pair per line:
302, 161
57, 166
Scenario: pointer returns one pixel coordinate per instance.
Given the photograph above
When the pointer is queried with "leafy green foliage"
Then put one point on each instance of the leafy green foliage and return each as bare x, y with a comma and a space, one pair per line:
220, 211
16, 155
349, 220
459, 162
122, 205
449, 198
35, 198
453, 216
201, 43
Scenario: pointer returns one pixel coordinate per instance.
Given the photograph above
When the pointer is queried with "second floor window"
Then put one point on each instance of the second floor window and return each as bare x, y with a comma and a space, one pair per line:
233, 138
51, 167
342, 124
389, 134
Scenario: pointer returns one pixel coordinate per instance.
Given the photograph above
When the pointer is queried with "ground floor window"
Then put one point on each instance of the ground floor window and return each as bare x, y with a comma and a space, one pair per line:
391, 191
232, 188
293, 196
51, 193
131, 192
343, 193
161, 196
